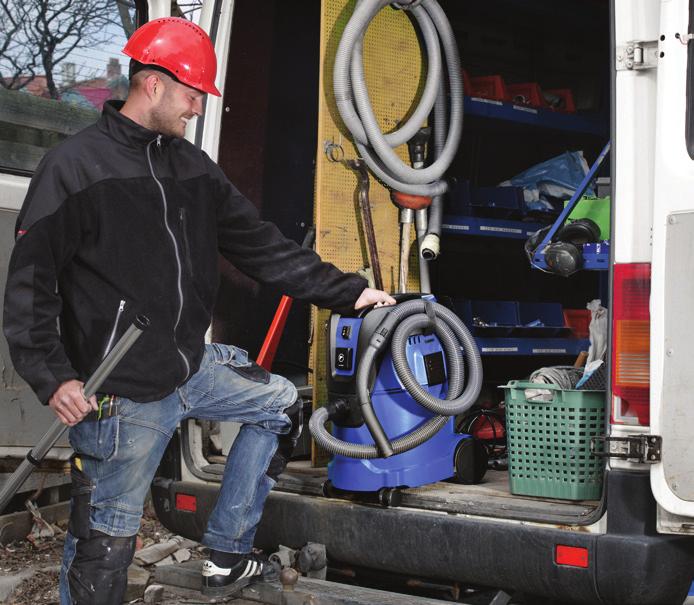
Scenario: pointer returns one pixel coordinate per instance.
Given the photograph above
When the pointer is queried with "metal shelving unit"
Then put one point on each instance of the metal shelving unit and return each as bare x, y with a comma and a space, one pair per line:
537, 117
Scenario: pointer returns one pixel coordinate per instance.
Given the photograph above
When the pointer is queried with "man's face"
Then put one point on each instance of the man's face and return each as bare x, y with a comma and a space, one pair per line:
176, 105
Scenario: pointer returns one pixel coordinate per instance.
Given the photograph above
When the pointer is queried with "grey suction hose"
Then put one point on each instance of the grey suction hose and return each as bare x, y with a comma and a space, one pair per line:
431, 245
353, 102
401, 322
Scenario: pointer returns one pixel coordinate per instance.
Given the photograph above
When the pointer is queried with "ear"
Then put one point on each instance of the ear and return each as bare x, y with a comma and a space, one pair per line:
153, 86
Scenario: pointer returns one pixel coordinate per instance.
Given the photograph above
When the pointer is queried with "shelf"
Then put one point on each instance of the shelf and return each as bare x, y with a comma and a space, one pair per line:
543, 118
490, 227
532, 346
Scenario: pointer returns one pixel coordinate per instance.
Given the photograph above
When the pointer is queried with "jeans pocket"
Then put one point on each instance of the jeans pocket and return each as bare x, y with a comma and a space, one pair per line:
80, 501
237, 359
97, 439
253, 372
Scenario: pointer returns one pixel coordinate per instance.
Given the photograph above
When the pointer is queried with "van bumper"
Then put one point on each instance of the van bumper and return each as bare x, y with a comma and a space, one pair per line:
635, 568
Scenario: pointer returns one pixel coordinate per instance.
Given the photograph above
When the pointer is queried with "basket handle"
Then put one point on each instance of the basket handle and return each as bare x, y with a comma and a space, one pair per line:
524, 385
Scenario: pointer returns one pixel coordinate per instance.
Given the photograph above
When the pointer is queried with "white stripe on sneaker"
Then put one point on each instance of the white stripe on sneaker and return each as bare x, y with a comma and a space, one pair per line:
210, 569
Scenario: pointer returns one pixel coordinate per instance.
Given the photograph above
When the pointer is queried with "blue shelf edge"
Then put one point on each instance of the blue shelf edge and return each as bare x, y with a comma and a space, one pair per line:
532, 346
543, 118
490, 227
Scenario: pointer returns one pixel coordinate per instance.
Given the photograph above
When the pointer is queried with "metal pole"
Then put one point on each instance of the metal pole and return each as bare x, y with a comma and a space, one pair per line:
39, 451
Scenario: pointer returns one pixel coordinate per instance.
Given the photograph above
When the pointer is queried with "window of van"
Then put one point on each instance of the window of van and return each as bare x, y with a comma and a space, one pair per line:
59, 62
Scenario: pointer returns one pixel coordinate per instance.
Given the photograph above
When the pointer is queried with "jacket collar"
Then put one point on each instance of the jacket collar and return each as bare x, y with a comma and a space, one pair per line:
122, 129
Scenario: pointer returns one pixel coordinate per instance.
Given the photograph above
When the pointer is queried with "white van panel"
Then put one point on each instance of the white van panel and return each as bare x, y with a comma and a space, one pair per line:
634, 152
13, 189
672, 293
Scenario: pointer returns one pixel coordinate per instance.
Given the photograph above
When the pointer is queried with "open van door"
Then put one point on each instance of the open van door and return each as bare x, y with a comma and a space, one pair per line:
672, 285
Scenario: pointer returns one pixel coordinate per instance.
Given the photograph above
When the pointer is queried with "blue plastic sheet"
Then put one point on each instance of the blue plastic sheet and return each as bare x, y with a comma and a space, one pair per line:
553, 180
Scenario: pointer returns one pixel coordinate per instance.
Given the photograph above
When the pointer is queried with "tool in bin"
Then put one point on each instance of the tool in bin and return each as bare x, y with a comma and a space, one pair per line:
274, 333
39, 451
359, 166
565, 257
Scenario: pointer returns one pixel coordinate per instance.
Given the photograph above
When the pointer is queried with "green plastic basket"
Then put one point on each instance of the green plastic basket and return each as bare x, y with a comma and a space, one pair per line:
549, 441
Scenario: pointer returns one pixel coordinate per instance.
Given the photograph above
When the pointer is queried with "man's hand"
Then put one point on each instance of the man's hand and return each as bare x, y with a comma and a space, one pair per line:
69, 404
371, 296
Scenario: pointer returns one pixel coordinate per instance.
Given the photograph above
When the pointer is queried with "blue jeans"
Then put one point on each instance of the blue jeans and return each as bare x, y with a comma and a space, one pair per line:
119, 455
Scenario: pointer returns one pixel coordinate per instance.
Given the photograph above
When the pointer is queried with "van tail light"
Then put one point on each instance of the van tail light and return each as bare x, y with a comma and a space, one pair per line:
631, 344
186, 502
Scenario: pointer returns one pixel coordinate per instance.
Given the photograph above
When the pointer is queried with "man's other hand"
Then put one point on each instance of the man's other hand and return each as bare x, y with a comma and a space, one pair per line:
69, 404
371, 296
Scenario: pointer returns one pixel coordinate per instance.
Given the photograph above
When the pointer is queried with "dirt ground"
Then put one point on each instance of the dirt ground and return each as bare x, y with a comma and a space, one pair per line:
45, 554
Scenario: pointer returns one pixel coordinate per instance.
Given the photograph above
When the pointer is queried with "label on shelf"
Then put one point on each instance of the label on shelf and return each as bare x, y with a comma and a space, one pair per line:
499, 349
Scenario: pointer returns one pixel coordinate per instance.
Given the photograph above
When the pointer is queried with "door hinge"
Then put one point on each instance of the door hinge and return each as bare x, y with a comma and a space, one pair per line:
640, 448
637, 54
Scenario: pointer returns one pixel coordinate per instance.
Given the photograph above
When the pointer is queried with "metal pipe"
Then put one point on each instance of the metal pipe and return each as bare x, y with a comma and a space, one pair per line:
39, 451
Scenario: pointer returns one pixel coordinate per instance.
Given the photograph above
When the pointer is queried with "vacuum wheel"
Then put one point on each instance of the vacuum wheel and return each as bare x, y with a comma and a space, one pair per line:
389, 496
470, 461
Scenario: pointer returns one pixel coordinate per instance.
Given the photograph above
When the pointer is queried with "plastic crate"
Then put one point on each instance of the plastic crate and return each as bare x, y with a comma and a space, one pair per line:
549, 442
489, 87
579, 321
526, 93
562, 100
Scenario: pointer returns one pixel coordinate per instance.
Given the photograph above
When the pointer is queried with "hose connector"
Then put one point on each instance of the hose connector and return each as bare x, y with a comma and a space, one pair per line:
431, 247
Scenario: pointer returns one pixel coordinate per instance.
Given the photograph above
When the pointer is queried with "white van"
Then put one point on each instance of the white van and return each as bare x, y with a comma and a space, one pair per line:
630, 67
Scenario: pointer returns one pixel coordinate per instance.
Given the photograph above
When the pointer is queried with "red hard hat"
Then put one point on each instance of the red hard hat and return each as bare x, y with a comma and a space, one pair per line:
178, 46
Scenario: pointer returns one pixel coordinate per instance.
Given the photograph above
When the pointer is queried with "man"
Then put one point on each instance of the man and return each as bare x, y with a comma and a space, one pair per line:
127, 218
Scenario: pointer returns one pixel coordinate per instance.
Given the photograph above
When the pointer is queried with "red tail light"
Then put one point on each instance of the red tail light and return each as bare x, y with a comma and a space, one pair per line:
186, 502
631, 344
573, 556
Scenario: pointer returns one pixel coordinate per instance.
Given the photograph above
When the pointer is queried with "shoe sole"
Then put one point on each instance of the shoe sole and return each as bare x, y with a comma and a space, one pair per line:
230, 590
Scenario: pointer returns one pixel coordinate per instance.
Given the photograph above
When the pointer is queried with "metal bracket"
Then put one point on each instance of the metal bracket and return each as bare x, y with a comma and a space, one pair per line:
637, 54
641, 448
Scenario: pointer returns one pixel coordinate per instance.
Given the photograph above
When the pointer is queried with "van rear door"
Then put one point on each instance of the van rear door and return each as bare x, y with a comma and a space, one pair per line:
672, 270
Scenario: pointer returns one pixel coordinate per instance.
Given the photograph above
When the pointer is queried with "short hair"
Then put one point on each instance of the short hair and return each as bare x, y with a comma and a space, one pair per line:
136, 67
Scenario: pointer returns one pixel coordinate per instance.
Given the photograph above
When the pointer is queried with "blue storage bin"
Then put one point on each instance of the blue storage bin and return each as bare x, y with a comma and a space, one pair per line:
459, 198
488, 317
541, 319
501, 199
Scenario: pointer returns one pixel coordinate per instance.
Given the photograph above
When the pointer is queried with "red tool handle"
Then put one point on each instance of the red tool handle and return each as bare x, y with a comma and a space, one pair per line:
274, 333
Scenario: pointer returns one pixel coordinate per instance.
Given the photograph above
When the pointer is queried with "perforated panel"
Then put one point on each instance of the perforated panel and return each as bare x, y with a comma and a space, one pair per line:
393, 68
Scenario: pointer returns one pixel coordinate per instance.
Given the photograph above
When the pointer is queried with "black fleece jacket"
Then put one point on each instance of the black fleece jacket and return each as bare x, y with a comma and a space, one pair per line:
119, 221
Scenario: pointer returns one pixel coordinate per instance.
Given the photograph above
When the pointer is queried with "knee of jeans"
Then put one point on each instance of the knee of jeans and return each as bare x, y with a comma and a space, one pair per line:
289, 394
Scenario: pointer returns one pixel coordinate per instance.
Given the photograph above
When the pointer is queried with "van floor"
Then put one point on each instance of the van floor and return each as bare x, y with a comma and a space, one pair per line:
490, 498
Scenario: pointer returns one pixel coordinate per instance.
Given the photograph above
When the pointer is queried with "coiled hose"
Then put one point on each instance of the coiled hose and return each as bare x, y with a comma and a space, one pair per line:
400, 323
354, 105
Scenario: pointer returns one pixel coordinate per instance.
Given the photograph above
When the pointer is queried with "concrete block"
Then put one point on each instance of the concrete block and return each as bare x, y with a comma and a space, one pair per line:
137, 581
185, 575
154, 593
182, 555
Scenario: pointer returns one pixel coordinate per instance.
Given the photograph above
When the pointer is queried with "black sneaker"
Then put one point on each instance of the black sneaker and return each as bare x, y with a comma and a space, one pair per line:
228, 581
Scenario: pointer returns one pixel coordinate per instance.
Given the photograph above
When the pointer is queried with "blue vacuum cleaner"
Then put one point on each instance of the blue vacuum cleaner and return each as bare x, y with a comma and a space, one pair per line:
396, 376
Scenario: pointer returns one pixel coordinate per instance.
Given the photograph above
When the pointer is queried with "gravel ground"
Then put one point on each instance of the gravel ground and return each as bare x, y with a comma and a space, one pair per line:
44, 555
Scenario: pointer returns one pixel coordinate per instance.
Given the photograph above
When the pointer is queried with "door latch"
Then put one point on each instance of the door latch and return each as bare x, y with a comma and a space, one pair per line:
640, 448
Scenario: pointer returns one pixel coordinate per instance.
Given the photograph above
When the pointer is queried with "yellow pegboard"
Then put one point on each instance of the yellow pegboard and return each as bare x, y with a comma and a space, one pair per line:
394, 74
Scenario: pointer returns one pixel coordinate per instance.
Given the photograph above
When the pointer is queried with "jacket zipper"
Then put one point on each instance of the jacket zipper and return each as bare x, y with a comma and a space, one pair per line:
186, 245
176, 250
109, 344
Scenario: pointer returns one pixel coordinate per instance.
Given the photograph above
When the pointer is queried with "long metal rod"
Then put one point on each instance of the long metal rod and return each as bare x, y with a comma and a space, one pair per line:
359, 166
39, 451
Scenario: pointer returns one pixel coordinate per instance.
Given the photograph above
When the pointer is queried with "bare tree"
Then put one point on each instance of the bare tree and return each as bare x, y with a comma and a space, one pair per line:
39, 34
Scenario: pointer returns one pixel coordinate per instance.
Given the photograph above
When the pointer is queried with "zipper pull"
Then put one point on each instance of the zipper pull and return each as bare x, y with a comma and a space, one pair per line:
121, 306
159, 141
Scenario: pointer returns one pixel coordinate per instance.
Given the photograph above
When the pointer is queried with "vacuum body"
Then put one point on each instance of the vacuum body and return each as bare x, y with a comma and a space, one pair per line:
435, 459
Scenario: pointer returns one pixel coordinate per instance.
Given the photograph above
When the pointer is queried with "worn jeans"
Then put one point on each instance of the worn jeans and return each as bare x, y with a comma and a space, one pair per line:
119, 455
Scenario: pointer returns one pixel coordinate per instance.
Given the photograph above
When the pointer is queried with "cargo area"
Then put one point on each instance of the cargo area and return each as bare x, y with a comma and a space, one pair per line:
536, 87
